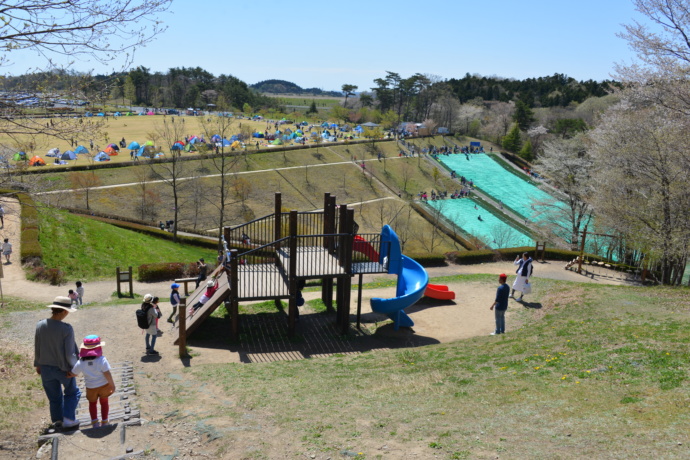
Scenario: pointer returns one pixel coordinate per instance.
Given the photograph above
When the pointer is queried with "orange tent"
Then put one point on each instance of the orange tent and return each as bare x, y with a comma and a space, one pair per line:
37, 161
110, 151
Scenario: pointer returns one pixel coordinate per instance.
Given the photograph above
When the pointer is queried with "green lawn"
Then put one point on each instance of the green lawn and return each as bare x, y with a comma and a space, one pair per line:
87, 250
594, 372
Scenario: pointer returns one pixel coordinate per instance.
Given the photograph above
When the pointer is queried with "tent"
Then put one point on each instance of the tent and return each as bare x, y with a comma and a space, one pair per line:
81, 149
370, 125
117, 114
37, 161
277, 142
176, 146
101, 114
69, 155
19, 156
133, 145
226, 143
324, 124
110, 151
114, 146
215, 138
53, 152
102, 156
236, 145
259, 134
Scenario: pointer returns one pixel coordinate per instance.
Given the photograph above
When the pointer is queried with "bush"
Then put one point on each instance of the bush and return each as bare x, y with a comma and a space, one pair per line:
496, 255
151, 273
430, 260
54, 276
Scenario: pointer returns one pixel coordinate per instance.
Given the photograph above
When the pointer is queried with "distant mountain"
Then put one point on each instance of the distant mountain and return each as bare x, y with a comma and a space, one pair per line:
287, 87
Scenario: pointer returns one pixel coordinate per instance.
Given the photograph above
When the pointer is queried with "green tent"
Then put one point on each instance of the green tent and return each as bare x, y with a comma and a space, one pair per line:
19, 156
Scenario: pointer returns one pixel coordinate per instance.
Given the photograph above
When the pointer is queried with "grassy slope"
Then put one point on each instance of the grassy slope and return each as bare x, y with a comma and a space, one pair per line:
86, 249
595, 372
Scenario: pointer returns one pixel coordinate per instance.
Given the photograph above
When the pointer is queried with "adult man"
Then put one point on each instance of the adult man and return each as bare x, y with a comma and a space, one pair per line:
524, 271
500, 305
2, 217
55, 354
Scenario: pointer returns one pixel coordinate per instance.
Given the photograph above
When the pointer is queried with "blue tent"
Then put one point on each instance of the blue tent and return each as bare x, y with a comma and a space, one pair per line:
226, 143
133, 145
100, 114
215, 138
235, 137
176, 146
117, 114
88, 114
81, 149
359, 129
69, 155
102, 156
324, 124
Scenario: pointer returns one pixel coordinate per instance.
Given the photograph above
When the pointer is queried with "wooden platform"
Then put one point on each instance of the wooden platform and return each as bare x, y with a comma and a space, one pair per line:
312, 262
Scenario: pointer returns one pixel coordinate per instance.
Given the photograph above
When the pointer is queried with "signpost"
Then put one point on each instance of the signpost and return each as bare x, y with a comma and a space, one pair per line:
124, 277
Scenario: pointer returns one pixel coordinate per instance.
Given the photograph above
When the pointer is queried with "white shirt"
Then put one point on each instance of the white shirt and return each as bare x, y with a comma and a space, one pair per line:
93, 370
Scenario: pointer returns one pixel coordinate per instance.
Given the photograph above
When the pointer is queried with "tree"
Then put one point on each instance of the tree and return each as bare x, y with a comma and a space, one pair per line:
642, 155
84, 182
512, 141
526, 151
129, 91
348, 90
523, 116
466, 114
224, 163
171, 172
312, 108
98, 29
568, 166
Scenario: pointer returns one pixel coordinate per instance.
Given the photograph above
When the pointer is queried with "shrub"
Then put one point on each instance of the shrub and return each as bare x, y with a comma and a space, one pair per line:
151, 273
54, 276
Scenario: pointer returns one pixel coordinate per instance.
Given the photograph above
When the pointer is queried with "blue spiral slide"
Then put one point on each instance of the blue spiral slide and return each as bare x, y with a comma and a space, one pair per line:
412, 281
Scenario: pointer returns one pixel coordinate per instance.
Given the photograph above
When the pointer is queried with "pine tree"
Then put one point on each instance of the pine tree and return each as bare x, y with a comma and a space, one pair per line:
526, 152
312, 108
512, 141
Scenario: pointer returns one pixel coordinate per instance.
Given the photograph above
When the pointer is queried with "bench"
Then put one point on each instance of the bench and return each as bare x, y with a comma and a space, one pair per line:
185, 281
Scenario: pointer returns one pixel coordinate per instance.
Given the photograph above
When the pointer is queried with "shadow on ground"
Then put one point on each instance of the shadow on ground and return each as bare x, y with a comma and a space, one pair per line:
263, 337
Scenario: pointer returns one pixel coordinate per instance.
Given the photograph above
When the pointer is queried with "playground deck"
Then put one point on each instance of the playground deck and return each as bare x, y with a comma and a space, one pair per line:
312, 261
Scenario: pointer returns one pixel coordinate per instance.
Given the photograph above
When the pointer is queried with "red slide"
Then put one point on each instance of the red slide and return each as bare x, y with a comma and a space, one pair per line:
439, 291
363, 246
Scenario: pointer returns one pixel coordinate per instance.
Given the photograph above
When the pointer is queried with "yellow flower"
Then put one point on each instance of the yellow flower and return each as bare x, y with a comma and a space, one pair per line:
564, 377
588, 371
577, 382
537, 368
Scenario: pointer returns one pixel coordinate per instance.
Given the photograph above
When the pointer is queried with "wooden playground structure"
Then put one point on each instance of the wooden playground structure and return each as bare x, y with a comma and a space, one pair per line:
278, 253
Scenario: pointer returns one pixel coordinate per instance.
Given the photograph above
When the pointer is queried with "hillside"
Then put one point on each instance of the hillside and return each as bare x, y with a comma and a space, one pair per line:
286, 87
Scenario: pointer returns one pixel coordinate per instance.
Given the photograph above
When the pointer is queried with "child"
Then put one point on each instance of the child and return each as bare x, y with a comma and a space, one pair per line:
7, 250
97, 378
73, 297
154, 302
174, 300
152, 331
211, 288
80, 293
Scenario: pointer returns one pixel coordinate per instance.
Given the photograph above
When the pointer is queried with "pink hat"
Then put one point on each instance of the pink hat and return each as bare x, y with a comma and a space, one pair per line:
91, 346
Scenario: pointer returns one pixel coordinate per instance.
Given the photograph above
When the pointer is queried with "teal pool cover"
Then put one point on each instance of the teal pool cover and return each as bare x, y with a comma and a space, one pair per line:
515, 192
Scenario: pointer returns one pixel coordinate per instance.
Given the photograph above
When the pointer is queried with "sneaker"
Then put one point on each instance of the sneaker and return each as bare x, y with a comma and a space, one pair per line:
105, 422
95, 423
69, 424
152, 352
494, 333
170, 321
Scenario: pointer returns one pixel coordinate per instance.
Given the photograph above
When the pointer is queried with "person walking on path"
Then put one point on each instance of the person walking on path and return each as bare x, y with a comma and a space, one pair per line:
524, 272
98, 380
2, 217
203, 268
152, 331
500, 305
174, 301
55, 354
7, 250
80, 294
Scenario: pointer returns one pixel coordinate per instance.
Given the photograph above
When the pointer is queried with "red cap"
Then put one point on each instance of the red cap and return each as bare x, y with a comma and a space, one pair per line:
503, 276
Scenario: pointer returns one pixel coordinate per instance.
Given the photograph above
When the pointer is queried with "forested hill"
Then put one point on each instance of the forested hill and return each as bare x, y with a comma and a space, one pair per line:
556, 90
287, 87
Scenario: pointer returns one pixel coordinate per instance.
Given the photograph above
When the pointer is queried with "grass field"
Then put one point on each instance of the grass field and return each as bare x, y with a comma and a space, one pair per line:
593, 372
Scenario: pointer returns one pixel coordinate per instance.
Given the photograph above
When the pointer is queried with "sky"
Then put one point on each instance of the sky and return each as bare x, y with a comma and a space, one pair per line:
328, 44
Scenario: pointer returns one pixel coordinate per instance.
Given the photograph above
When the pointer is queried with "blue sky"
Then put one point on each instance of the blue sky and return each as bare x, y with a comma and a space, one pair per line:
328, 44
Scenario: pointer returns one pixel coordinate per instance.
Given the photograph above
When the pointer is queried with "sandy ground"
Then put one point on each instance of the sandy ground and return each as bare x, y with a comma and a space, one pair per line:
155, 376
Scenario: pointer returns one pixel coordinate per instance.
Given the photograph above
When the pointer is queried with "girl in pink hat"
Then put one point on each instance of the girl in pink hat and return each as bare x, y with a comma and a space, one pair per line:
97, 378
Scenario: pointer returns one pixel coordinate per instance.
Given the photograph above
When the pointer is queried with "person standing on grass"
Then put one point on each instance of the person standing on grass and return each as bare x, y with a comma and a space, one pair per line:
500, 305
524, 271
55, 354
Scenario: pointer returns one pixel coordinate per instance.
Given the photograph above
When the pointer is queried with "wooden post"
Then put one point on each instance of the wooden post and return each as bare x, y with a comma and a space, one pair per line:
540, 248
582, 251
124, 277
278, 212
234, 303
328, 229
131, 285
292, 280
182, 327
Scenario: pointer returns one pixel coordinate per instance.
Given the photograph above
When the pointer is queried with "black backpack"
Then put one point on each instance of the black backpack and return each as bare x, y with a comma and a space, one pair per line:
142, 318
